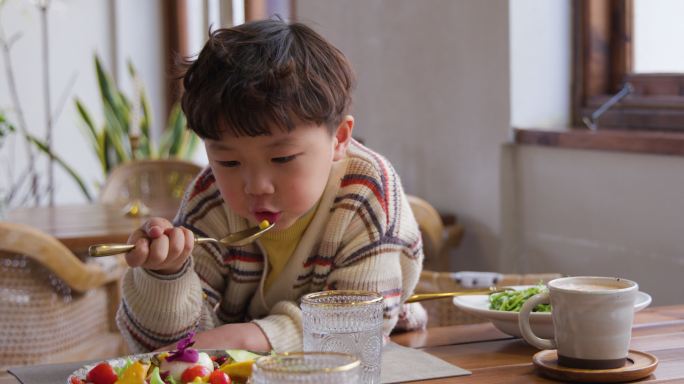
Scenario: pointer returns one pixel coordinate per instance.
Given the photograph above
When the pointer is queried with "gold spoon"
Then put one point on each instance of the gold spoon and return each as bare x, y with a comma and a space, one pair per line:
440, 295
236, 239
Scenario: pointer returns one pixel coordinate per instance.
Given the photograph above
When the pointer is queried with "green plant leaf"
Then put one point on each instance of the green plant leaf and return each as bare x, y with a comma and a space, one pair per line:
112, 143
190, 144
44, 148
117, 137
176, 141
101, 152
85, 116
111, 97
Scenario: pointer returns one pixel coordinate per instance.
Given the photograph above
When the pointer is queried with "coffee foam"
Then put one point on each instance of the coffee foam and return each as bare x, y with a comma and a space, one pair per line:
590, 287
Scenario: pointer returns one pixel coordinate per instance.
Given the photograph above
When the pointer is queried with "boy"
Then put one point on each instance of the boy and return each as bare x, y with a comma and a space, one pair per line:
270, 99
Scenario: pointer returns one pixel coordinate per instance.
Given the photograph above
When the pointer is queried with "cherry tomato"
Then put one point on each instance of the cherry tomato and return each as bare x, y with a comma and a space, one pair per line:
102, 373
194, 371
219, 377
76, 380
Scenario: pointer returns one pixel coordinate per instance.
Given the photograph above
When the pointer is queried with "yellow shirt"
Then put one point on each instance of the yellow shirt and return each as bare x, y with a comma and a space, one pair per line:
280, 245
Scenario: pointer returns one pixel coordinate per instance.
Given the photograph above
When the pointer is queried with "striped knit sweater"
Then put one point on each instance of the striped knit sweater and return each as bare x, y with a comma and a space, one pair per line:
363, 236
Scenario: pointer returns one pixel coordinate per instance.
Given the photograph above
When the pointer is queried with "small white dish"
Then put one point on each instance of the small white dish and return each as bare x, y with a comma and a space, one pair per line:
507, 322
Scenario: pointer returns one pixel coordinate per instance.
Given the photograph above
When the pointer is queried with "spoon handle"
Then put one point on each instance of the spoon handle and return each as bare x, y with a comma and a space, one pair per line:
440, 295
99, 250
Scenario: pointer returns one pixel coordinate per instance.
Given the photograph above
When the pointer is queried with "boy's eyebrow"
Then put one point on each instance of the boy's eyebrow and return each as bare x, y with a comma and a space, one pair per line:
217, 145
221, 146
282, 142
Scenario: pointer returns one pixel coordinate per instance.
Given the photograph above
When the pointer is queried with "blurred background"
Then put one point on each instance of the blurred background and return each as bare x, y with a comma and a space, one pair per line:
478, 104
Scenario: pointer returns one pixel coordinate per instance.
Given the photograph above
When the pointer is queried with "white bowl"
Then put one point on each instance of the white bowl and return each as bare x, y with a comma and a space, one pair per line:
507, 322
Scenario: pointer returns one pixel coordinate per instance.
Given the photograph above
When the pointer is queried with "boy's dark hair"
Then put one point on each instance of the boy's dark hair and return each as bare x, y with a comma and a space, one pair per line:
264, 74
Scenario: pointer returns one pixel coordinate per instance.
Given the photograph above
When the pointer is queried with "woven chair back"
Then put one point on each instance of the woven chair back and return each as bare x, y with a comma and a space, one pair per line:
55, 308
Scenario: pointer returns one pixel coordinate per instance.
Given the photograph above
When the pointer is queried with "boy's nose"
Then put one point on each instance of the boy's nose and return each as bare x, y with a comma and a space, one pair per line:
258, 184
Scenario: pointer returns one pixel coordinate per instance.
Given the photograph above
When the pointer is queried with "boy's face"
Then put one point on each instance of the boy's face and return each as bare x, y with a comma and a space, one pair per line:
278, 178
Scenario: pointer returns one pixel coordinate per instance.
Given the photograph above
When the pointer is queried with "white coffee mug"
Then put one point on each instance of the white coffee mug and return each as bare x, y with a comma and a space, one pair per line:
592, 320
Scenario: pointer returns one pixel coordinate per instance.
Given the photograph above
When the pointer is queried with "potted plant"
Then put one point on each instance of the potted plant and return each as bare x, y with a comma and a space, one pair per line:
125, 133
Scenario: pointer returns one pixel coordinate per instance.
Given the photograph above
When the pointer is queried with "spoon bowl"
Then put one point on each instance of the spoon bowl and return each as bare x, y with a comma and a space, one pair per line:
235, 239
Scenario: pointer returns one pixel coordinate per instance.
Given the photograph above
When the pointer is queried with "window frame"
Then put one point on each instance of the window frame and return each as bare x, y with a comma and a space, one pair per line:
602, 63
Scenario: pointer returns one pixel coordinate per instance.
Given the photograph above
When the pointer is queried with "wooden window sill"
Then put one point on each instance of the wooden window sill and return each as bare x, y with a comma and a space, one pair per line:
662, 143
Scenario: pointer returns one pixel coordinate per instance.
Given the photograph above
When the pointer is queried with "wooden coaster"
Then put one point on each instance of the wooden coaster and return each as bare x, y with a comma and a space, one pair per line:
639, 365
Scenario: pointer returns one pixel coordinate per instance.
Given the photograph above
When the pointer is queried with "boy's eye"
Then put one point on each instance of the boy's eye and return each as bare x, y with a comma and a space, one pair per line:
284, 159
229, 163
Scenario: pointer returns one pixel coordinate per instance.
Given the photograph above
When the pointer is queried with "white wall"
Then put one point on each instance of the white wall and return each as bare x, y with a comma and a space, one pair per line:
602, 213
138, 29
117, 30
77, 28
655, 21
432, 96
540, 63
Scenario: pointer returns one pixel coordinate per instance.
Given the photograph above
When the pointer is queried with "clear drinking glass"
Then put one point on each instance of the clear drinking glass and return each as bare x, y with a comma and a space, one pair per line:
348, 322
306, 368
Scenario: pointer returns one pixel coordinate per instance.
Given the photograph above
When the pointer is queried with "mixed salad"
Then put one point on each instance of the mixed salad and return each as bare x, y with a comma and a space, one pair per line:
513, 301
180, 366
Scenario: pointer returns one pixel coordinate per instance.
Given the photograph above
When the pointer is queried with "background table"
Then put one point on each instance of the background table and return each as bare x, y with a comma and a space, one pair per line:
79, 226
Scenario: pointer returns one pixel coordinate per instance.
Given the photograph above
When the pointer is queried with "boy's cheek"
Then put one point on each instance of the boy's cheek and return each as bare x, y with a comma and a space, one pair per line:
231, 195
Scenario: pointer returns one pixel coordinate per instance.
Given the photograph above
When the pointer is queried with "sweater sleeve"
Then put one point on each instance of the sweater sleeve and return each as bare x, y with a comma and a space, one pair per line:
158, 310
283, 327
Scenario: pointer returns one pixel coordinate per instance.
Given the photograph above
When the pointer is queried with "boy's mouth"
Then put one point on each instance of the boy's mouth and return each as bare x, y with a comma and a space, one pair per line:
272, 217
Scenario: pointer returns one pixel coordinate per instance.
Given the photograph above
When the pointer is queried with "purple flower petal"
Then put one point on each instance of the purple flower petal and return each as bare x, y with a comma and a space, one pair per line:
184, 352
187, 355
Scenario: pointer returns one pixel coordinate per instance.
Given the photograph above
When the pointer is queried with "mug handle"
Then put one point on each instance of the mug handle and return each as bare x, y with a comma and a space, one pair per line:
524, 322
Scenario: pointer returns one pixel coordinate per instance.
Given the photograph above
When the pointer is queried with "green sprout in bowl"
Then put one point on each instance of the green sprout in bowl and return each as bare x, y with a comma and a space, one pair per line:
512, 301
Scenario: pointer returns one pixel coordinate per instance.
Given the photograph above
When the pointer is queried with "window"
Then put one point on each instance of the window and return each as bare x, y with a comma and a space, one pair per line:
603, 61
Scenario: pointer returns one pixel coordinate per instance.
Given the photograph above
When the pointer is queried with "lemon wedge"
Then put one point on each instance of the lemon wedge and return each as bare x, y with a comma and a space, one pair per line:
241, 370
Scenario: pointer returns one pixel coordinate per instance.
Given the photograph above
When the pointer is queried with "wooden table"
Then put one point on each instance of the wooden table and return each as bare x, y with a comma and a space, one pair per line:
79, 226
494, 357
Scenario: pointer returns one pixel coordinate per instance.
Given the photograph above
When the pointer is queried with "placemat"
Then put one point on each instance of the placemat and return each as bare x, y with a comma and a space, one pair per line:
48, 373
399, 364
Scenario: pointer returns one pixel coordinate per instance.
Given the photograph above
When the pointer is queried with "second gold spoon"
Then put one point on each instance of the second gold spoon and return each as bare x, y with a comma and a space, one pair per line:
441, 295
236, 239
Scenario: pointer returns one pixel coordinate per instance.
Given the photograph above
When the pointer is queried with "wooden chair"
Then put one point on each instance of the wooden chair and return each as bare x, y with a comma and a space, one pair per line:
159, 184
438, 237
55, 308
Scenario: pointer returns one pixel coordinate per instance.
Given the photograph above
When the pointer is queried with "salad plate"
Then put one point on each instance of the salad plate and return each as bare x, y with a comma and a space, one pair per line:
158, 367
507, 321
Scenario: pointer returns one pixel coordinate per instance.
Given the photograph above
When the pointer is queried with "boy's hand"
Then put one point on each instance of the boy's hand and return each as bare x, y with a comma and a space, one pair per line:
159, 246
232, 336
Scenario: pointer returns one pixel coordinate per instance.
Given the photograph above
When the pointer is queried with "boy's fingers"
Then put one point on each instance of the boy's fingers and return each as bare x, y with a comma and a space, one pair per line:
159, 250
176, 242
156, 226
137, 234
189, 240
138, 255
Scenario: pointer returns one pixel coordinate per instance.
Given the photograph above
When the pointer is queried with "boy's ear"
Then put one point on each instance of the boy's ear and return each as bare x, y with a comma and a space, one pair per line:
343, 136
